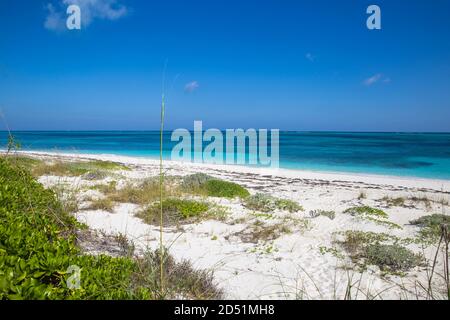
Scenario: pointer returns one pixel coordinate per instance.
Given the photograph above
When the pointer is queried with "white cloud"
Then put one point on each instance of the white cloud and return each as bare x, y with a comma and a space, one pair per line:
310, 57
90, 11
376, 78
191, 86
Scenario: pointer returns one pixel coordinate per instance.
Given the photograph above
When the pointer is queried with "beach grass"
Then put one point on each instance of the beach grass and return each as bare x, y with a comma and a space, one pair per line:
76, 168
104, 204
63, 168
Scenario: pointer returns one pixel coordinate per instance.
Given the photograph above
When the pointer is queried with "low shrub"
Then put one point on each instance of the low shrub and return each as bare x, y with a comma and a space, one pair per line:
174, 211
392, 257
288, 205
203, 184
431, 225
265, 203
260, 202
195, 181
380, 249
224, 189
366, 211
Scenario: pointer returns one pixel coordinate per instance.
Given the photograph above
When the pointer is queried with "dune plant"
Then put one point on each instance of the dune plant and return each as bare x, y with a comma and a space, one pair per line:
266, 203
203, 184
174, 211
375, 215
431, 226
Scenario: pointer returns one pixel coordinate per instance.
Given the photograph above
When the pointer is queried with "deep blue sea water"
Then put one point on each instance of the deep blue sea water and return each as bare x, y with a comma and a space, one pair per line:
425, 155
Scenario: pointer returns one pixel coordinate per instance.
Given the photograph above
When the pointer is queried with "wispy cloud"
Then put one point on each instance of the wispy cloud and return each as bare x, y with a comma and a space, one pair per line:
310, 57
376, 78
372, 80
191, 86
90, 11
54, 20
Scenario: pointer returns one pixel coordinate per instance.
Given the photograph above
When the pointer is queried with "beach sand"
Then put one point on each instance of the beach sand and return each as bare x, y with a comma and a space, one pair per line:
304, 263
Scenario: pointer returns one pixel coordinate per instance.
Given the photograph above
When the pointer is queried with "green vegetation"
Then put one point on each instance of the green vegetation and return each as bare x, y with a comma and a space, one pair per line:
380, 249
224, 189
181, 280
73, 169
288, 205
362, 211
174, 211
37, 247
195, 181
265, 203
377, 216
13, 144
261, 232
431, 226
260, 202
143, 193
104, 204
394, 202
200, 183
316, 213
362, 195
22, 161
105, 188
217, 212
331, 250
67, 197
421, 199
392, 257
93, 170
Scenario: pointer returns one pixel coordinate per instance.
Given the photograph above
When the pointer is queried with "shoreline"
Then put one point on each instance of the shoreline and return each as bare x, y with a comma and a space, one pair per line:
440, 185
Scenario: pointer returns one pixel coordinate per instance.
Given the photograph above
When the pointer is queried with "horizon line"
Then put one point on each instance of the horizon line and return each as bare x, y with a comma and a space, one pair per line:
291, 131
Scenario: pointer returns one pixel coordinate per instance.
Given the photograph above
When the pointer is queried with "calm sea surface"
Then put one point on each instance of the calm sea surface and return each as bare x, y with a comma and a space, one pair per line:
424, 155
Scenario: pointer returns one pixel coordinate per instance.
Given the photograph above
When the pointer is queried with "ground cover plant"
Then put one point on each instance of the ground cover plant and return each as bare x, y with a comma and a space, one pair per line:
203, 184
38, 245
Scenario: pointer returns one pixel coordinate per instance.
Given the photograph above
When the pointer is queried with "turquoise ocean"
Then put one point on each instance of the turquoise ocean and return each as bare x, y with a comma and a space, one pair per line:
424, 155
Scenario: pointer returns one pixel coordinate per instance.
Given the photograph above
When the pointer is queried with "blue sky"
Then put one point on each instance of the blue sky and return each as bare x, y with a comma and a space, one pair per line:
293, 65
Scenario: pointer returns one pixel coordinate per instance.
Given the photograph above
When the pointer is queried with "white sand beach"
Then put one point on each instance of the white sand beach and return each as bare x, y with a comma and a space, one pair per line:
304, 262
